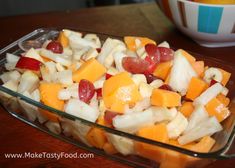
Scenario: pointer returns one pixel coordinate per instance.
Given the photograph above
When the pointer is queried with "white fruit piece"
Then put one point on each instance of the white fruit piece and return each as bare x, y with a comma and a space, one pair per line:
48, 71
208, 94
32, 53
213, 73
139, 78
76, 129
12, 85
10, 66
12, 75
94, 38
65, 77
99, 83
130, 53
78, 53
45, 74
145, 90
198, 115
94, 102
118, 56
82, 110
133, 121
79, 43
11, 58
164, 44
58, 58
64, 94
181, 73
29, 110
156, 83
162, 113
137, 43
108, 49
68, 33
123, 145
139, 106
60, 67
67, 51
207, 127
91, 53
112, 71
51, 66
35, 95
73, 90
28, 82
177, 126
53, 127
225, 91
141, 52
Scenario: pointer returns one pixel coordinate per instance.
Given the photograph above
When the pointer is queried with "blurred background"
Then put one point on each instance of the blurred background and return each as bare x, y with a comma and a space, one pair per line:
18, 7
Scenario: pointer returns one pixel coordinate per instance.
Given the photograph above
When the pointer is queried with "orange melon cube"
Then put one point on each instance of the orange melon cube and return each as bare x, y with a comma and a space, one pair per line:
223, 99
157, 133
217, 109
120, 90
167, 79
162, 70
109, 148
195, 88
186, 109
91, 70
165, 98
188, 56
63, 39
173, 159
204, 145
96, 137
130, 42
49, 96
226, 76
198, 66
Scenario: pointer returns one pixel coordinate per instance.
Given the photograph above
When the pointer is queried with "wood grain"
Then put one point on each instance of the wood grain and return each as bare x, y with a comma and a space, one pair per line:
141, 20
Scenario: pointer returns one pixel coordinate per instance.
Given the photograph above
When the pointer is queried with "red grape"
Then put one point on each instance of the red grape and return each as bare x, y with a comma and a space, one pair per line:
153, 52
213, 82
150, 77
152, 65
55, 47
108, 117
99, 93
107, 76
86, 90
159, 54
166, 87
153, 56
166, 54
28, 63
135, 65
98, 50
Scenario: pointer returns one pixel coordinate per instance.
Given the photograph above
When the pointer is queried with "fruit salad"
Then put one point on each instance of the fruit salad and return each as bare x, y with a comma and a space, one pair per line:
132, 85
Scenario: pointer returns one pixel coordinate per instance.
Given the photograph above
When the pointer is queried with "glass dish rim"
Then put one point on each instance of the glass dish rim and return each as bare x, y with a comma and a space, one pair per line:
219, 154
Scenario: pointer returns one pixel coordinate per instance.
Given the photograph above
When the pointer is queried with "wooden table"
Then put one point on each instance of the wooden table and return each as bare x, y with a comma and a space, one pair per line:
140, 20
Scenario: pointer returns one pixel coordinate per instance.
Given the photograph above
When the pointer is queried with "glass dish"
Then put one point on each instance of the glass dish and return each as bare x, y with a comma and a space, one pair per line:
223, 149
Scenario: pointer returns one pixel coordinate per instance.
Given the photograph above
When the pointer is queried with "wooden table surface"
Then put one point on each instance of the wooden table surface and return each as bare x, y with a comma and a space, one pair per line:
140, 20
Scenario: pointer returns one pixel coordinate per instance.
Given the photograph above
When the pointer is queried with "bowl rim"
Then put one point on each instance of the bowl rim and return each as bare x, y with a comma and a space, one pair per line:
207, 4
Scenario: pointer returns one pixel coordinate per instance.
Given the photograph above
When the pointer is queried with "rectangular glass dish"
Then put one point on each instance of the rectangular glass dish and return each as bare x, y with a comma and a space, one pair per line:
223, 149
